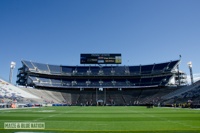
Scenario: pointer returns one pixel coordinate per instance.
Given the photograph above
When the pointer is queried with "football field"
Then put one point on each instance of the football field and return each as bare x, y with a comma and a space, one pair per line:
103, 119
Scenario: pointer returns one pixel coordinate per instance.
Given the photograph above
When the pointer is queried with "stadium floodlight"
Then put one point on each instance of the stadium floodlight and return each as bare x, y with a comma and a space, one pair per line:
12, 66
191, 74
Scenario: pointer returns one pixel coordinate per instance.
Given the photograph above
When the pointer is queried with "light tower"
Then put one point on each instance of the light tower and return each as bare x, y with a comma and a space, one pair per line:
12, 66
191, 74
179, 80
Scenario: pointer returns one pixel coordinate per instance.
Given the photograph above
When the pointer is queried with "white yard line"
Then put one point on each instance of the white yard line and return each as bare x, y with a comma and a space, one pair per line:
63, 112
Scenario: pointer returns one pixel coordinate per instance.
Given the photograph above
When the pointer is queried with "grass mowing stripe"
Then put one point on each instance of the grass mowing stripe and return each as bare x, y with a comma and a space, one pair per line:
61, 113
104, 131
111, 119
182, 121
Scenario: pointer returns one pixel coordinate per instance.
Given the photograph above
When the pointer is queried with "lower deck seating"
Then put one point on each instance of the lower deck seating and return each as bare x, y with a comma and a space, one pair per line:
96, 96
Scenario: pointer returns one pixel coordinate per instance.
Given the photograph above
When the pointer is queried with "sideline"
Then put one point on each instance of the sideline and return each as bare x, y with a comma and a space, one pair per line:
18, 108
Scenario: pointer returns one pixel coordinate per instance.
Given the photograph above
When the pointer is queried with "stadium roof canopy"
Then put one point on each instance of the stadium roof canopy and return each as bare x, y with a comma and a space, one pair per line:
58, 76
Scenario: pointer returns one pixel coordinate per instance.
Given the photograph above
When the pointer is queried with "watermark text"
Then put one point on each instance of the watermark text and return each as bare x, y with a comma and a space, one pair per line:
24, 125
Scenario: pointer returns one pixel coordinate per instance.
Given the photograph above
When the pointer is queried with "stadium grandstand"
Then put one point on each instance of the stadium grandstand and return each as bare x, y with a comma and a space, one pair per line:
12, 96
98, 83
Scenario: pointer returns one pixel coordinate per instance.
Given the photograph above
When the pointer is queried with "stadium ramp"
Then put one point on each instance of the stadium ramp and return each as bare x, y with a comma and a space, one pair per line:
181, 91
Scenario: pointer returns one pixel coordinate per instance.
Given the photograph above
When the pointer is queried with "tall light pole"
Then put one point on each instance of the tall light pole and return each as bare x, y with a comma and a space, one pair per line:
12, 66
179, 80
191, 74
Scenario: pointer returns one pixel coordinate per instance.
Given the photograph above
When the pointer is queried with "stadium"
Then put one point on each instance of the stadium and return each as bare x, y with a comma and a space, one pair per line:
103, 93
102, 84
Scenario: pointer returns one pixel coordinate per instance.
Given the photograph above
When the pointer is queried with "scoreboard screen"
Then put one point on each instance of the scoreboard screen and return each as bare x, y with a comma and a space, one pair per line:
100, 59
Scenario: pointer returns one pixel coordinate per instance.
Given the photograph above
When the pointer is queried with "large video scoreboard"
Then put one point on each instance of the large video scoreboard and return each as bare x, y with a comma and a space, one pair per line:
100, 59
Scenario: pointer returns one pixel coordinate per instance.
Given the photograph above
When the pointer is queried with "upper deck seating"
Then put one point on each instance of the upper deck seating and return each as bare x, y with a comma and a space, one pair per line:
66, 76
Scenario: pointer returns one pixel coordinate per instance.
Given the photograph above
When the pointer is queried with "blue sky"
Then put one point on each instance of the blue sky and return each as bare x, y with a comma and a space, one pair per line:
58, 31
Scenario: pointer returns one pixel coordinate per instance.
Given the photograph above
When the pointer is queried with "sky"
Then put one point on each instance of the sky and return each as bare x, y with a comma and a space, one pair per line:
58, 31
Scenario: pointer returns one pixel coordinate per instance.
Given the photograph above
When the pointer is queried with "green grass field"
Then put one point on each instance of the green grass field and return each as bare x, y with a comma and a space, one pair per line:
105, 119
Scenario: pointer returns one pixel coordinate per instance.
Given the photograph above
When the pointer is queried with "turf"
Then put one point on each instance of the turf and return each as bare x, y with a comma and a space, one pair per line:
105, 119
